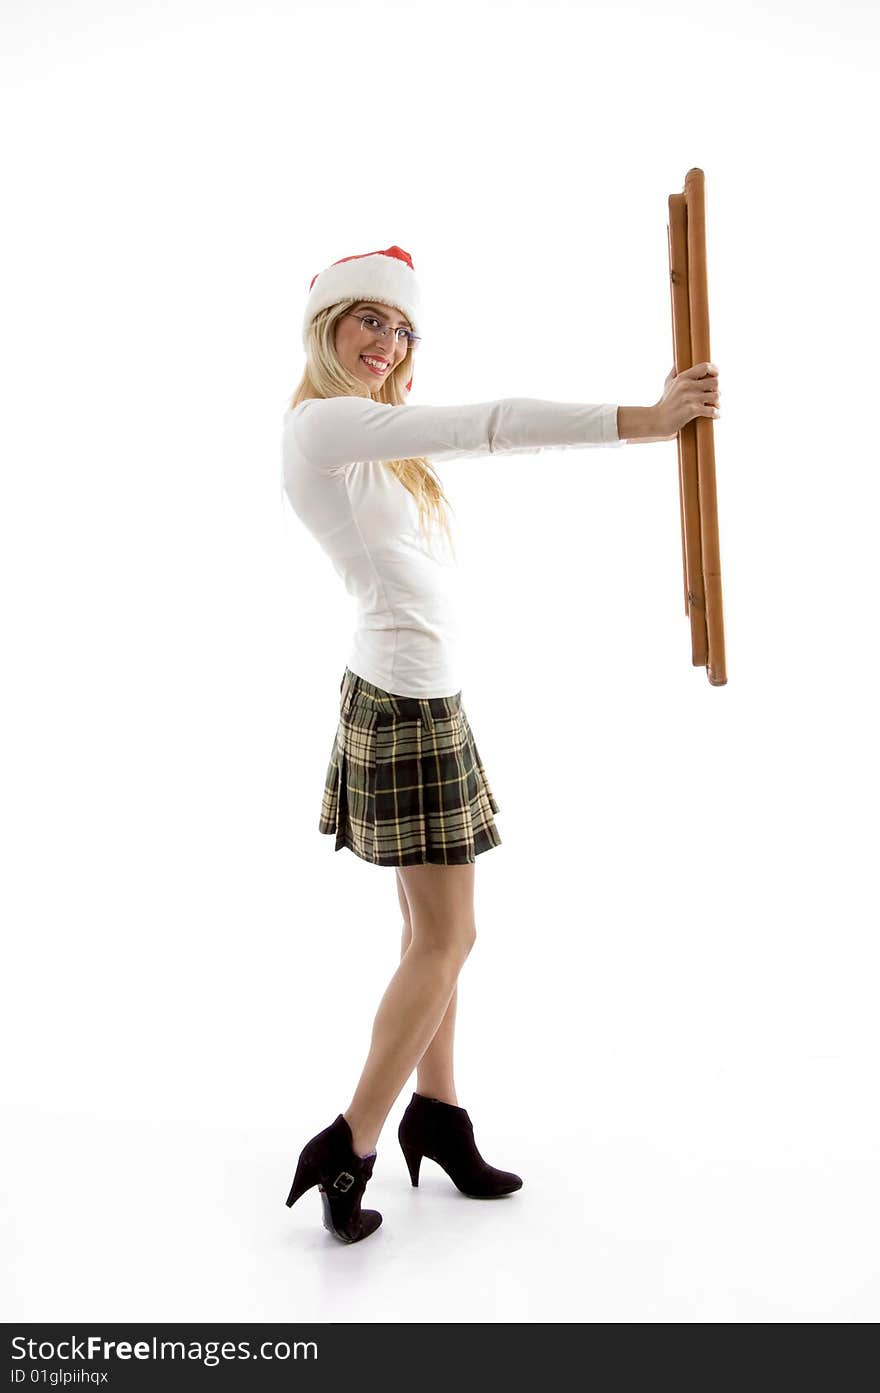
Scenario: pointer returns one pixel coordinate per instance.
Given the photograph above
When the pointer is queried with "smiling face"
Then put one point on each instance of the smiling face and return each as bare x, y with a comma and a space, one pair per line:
354, 342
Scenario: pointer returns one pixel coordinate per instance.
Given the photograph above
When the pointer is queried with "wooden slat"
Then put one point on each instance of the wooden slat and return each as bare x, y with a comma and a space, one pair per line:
698, 292
698, 502
688, 484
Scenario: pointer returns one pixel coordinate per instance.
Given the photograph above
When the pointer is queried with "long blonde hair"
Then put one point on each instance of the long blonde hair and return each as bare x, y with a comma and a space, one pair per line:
325, 376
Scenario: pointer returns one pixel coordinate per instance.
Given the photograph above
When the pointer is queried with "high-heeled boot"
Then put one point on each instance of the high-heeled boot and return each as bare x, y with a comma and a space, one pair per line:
445, 1134
330, 1162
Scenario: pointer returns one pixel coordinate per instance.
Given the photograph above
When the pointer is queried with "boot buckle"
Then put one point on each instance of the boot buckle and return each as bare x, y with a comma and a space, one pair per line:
343, 1181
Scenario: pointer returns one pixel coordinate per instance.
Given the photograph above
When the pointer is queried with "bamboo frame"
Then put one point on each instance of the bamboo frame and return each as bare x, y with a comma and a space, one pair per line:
698, 502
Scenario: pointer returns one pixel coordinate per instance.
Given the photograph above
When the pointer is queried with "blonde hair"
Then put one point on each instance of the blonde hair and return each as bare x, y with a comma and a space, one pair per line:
325, 376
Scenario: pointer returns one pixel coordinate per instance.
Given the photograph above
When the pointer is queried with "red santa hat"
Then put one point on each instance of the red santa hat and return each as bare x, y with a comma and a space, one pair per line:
388, 277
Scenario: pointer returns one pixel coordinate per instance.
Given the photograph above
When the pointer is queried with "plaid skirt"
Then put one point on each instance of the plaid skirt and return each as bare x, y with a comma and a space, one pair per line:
405, 783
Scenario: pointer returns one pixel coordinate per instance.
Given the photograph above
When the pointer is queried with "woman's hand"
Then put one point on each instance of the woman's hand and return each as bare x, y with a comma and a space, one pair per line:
687, 394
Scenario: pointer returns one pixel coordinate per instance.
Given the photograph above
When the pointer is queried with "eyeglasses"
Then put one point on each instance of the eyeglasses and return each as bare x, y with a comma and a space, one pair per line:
372, 326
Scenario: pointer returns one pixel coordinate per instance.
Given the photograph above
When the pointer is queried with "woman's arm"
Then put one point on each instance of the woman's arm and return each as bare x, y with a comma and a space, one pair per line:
329, 434
641, 424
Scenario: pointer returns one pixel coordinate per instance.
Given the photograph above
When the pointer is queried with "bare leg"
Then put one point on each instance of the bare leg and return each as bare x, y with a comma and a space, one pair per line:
434, 1075
441, 903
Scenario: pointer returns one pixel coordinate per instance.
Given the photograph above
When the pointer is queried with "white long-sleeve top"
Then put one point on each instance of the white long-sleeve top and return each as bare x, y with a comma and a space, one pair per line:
367, 521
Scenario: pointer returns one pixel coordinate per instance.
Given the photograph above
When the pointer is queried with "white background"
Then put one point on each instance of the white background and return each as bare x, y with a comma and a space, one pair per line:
668, 1025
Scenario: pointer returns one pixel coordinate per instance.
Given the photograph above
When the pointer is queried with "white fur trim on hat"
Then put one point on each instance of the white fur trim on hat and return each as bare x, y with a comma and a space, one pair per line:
384, 276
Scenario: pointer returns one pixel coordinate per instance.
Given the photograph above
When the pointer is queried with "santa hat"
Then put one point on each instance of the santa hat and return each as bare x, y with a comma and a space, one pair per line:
388, 277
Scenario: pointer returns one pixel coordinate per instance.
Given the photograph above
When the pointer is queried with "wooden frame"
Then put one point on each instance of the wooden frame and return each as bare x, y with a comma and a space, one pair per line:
698, 504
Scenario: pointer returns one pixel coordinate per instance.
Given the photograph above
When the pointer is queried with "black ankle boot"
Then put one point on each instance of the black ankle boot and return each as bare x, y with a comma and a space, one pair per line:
329, 1161
445, 1134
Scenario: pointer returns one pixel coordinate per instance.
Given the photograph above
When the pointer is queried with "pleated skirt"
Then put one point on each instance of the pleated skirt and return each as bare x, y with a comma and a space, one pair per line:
405, 784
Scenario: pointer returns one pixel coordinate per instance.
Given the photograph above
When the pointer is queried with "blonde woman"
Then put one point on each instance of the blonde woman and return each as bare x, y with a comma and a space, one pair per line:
405, 785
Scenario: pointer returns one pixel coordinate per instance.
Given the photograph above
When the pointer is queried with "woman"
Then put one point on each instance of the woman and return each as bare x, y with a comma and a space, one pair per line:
405, 785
